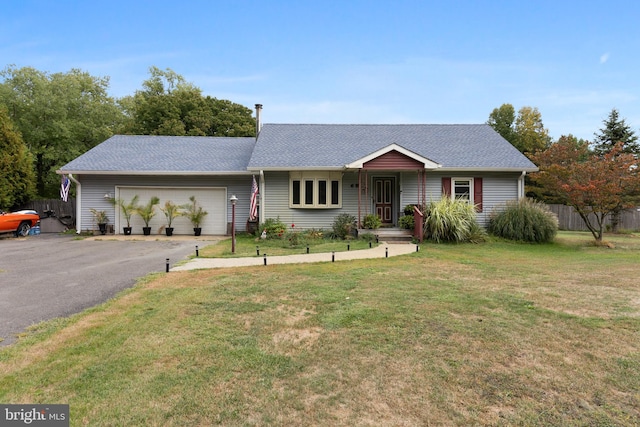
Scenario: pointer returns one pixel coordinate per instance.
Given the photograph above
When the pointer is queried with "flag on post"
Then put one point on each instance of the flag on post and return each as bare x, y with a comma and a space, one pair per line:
64, 188
253, 208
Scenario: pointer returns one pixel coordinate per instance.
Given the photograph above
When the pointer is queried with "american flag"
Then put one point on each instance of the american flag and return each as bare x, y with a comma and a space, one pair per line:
253, 208
64, 187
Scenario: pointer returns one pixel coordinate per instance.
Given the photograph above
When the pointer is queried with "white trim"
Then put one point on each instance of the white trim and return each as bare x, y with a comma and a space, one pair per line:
304, 177
471, 188
359, 164
474, 169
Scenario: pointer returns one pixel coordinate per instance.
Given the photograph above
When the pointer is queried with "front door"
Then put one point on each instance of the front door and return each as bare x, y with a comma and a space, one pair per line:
383, 199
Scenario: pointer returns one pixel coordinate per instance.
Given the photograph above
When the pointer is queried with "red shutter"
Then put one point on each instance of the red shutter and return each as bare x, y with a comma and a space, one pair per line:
477, 193
446, 186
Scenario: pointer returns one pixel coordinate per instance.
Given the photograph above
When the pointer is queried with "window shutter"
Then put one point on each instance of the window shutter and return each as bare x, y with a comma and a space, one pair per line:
446, 186
477, 193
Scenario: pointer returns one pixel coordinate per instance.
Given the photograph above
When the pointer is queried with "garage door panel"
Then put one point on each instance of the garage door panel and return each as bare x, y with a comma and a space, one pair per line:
212, 200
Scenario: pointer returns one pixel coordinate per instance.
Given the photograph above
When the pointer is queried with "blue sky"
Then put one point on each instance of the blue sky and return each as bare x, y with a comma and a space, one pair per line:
355, 61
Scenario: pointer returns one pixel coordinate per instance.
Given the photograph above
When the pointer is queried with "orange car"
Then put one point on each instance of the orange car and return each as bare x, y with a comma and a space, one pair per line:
18, 223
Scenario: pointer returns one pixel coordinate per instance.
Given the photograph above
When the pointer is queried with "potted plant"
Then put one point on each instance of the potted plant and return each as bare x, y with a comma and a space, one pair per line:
127, 209
171, 211
195, 214
147, 212
100, 217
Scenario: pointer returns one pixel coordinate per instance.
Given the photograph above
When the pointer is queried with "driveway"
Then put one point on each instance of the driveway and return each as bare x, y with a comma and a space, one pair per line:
51, 275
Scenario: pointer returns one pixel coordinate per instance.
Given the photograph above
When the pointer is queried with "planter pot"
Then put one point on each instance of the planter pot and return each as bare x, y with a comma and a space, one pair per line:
168, 231
146, 231
103, 228
126, 231
197, 231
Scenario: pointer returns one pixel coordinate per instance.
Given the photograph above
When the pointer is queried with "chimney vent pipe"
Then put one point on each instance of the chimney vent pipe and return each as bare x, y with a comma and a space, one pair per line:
258, 124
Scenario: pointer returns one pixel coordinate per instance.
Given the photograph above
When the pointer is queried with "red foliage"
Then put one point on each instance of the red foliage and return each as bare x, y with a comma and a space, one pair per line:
595, 186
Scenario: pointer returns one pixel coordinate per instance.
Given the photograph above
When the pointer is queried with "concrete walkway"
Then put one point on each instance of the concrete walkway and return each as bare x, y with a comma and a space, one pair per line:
383, 250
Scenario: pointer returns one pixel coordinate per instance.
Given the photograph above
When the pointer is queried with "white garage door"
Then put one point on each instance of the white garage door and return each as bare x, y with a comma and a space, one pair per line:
212, 200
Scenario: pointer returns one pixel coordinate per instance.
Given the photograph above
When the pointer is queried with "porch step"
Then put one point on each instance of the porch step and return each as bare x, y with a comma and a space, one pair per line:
390, 235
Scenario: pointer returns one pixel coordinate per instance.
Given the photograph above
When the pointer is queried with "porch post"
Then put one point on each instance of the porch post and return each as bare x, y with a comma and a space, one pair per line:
359, 196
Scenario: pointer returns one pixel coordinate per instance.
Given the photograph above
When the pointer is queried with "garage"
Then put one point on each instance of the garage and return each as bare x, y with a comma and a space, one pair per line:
212, 200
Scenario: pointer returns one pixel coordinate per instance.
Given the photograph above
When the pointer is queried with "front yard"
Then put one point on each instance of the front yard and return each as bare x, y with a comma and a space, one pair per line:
491, 334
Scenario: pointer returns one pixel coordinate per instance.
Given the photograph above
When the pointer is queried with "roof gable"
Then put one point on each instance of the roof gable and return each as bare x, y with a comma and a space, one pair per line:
393, 157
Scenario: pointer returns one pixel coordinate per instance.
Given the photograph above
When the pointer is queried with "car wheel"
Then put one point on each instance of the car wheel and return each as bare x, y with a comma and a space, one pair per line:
23, 229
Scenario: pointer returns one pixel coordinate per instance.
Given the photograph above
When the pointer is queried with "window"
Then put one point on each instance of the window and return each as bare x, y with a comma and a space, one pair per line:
462, 189
315, 190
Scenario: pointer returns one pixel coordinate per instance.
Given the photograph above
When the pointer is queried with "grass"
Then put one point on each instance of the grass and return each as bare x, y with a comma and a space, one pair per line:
491, 334
248, 245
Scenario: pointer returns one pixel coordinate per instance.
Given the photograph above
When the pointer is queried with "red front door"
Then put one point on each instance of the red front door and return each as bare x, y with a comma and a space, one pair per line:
383, 199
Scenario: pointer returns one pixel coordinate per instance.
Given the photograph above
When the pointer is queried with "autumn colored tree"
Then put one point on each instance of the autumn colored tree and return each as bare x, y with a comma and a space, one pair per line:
594, 185
525, 131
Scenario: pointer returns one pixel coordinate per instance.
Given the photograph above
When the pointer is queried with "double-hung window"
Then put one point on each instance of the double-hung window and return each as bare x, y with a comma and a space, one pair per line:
315, 190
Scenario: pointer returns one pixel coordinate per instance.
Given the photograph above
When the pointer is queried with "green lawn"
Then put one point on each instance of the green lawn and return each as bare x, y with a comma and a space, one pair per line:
490, 334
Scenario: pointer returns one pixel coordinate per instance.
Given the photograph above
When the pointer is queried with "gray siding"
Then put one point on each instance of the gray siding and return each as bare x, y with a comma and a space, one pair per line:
497, 189
94, 187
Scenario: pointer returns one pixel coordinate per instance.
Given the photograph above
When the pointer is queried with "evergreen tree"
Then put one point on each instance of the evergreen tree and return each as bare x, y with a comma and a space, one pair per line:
615, 130
17, 179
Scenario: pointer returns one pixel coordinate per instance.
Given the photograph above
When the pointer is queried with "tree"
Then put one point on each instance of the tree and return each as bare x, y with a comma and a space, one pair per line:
524, 131
531, 133
594, 185
60, 116
168, 105
17, 179
503, 119
616, 130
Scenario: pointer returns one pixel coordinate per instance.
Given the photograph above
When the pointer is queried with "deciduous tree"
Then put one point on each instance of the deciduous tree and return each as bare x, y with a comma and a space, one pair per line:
594, 185
60, 116
524, 131
168, 105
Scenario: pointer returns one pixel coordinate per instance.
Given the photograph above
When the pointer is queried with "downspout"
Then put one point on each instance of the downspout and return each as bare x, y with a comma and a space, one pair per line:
521, 185
78, 202
262, 198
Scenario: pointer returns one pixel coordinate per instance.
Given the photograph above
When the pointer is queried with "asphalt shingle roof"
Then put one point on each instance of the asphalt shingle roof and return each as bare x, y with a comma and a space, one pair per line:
291, 146
146, 153
300, 146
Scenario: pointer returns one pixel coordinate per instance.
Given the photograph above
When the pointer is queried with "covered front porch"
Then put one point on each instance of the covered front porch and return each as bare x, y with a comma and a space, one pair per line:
388, 180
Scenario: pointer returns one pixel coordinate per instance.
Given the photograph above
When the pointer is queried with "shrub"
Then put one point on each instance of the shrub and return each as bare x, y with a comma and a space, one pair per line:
344, 225
407, 222
371, 222
525, 220
274, 227
450, 220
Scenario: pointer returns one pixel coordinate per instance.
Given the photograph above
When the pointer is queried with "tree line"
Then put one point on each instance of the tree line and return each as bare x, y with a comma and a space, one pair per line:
48, 119
599, 178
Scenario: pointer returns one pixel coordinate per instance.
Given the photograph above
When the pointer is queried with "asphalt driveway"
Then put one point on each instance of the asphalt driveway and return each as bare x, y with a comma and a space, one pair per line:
51, 275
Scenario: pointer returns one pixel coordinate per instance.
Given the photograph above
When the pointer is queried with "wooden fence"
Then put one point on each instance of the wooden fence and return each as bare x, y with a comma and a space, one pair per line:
62, 212
570, 220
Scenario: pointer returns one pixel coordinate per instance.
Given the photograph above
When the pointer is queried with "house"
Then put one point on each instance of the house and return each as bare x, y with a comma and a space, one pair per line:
307, 173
